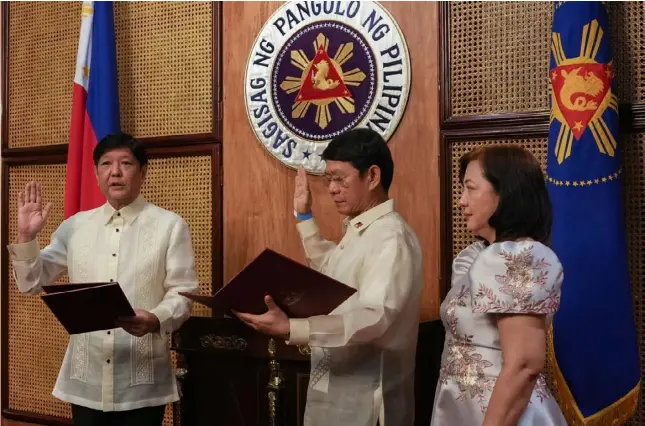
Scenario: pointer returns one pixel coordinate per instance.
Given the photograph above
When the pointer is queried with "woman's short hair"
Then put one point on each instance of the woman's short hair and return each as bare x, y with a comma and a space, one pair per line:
524, 209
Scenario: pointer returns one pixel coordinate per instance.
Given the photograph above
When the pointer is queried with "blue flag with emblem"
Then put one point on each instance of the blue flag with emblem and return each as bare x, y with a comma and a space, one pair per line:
594, 351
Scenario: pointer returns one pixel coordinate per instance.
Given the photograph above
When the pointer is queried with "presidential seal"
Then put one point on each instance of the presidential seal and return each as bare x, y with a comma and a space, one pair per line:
318, 69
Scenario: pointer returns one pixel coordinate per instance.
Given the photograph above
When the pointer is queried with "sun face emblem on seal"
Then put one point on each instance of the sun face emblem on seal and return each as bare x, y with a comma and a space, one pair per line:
323, 81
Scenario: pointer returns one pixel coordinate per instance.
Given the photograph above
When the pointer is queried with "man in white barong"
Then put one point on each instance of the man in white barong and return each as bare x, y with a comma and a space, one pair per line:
121, 376
363, 353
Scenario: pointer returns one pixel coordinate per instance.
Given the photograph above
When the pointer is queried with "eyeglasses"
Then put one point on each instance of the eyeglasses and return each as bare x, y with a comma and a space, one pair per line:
343, 182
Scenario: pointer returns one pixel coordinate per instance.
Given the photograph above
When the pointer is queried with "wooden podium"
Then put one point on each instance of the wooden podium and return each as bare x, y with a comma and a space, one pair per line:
230, 375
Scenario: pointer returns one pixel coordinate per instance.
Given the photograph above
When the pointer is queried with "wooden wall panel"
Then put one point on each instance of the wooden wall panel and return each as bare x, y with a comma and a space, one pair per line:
6, 422
258, 189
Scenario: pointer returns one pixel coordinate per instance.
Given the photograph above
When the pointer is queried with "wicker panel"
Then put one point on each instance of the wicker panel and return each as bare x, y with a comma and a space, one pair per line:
634, 165
461, 238
164, 52
628, 43
497, 50
500, 54
191, 198
183, 185
168, 416
43, 38
37, 341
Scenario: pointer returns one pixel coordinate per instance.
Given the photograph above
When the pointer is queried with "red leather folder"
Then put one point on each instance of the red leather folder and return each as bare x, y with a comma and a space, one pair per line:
298, 290
86, 307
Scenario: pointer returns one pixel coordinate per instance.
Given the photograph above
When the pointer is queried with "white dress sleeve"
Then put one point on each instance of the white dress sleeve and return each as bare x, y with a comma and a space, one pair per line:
516, 278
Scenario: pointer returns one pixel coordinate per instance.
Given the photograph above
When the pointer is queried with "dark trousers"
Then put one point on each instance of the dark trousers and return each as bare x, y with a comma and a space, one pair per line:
148, 416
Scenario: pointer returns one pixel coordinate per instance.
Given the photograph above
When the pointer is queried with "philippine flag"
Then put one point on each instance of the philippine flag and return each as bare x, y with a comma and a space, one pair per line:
95, 106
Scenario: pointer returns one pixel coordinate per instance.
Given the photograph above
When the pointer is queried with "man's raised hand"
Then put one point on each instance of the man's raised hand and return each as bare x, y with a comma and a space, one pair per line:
32, 215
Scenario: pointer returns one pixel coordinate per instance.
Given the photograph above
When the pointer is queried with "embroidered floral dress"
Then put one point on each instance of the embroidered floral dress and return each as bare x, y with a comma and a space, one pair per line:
508, 277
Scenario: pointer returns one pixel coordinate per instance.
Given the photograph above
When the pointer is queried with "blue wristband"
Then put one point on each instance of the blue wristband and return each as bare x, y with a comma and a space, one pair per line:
305, 216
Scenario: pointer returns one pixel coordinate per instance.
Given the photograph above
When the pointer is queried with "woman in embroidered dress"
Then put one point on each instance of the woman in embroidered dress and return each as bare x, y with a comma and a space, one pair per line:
505, 290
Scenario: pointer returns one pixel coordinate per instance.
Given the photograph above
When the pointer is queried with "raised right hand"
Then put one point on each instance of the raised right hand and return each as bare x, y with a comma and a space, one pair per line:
302, 193
32, 216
